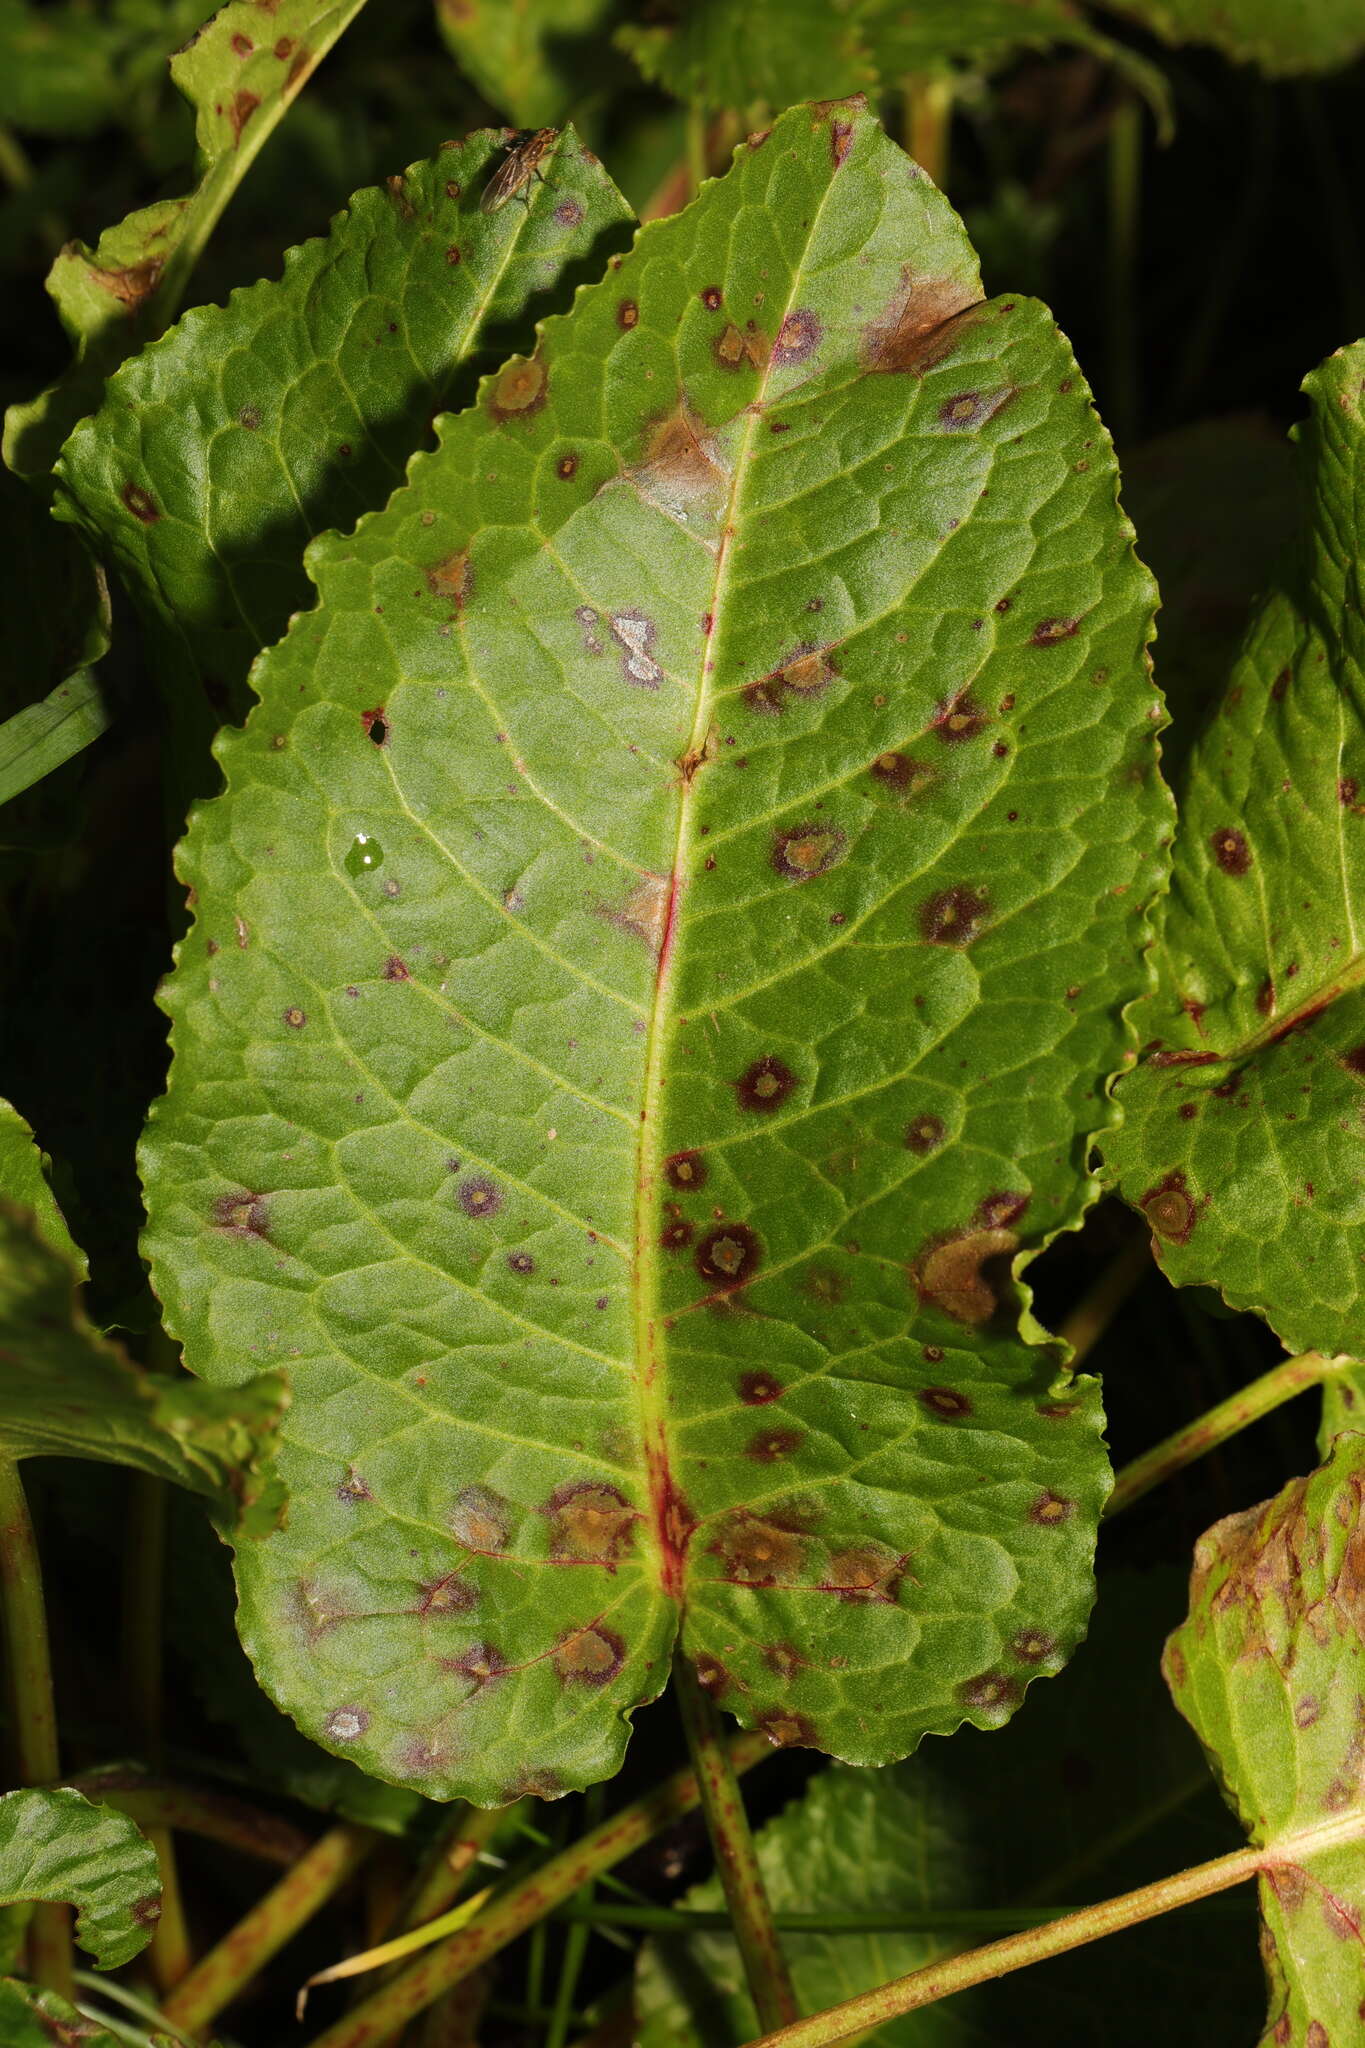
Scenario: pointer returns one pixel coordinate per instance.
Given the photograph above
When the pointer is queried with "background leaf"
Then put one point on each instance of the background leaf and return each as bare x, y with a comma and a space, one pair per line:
35, 2019
1268, 1670
1317, 35
521, 53
840, 595
59, 1846
1244, 1124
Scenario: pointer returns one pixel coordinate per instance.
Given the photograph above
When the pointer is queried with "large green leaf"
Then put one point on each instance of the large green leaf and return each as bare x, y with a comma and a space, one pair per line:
518, 52
1311, 35
221, 451
1244, 1126
655, 965
240, 72
67, 1392
1270, 1671
60, 1846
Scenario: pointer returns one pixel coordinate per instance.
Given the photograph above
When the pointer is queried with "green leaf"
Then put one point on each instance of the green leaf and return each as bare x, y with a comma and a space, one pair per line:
655, 966
66, 69
60, 1846
773, 51
221, 451
518, 52
67, 1392
240, 72
30, 2018
1269, 1670
42, 736
1243, 1125
1322, 35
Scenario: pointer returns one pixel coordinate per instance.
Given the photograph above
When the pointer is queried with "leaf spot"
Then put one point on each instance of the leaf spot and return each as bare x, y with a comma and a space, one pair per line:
140, 503
481, 1520
756, 1389
685, 1171
520, 390
450, 1595
1051, 1509
924, 1134
798, 337
945, 1403
1170, 1208
1050, 632
765, 1085
954, 916
479, 1196
959, 718
807, 851
865, 1574
966, 1275
1230, 850
590, 1522
728, 1256
344, 1724
592, 1656
766, 1446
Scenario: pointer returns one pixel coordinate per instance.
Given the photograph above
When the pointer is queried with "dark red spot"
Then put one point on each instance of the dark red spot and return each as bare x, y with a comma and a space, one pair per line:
1170, 1208
685, 1171
590, 1656
395, 969
786, 1730
1354, 1060
945, 1402
998, 1211
712, 298
566, 467
797, 338
243, 45
1049, 632
284, 50
479, 1196
756, 1389
728, 1256
677, 1235
900, 771
479, 1663
1002, 604
1348, 789
1281, 684
450, 1595
140, 503
807, 851
627, 314
960, 717
1230, 850
520, 1262
712, 1675
376, 725
765, 1085
1031, 1645
452, 255
244, 1215
568, 214
992, 1691
766, 1446
1051, 1509
1187, 1112
295, 1018
925, 1134
954, 916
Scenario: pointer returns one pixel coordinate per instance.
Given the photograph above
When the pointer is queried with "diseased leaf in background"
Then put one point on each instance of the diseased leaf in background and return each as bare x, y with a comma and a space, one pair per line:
240, 72
67, 1392
1244, 1126
1269, 1669
59, 1846
773, 51
1312, 35
220, 452
30, 2018
655, 966
519, 53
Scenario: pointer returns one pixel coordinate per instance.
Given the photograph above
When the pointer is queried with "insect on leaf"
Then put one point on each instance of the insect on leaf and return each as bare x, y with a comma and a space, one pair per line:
656, 966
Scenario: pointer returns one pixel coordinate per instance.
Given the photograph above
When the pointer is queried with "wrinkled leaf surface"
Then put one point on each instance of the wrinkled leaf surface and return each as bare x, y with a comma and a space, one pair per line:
59, 1846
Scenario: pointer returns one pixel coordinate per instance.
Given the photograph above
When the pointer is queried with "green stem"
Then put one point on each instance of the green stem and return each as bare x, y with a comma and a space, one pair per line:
1072, 1930
928, 122
682, 1921
1207, 1431
727, 1824
1095, 1311
160, 1803
262, 1933
1125, 188
452, 1858
575, 1945
169, 1955
37, 1758
524, 1903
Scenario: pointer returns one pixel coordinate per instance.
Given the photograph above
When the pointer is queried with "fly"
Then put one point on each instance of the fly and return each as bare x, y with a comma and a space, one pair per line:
517, 169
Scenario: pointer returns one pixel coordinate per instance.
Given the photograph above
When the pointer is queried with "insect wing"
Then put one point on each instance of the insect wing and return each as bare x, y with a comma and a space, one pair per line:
517, 170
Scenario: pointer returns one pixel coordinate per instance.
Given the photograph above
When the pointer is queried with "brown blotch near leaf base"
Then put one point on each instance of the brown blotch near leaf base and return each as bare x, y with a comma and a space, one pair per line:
865, 1574
734, 347
480, 1663
765, 1085
591, 1656
685, 1171
786, 1730
922, 324
944, 1402
479, 1196
712, 1675
757, 1553
728, 1256
966, 1276
1230, 850
452, 578
1031, 1645
766, 1446
482, 1520
520, 391
993, 1690
677, 1235
807, 851
244, 105
902, 772
756, 1389
973, 408
959, 718
1051, 1509
140, 503
924, 1134
243, 1215
1170, 1208
450, 1595
1051, 632
590, 1522
797, 338
627, 314
954, 916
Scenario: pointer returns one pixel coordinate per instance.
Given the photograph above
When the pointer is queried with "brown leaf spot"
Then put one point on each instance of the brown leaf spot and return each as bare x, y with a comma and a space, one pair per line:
1051, 632
593, 1656
242, 1215
959, 718
395, 969
924, 1134
728, 1256
685, 1171
865, 1574
992, 1692
481, 1519
644, 914
345, 1724
627, 314
733, 347
295, 1018
242, 46
765, 1085
786, 1730
140, 503
712, 298
452, 578
797, 338
479, 1196
923, 324
590, 1522
756, 1389
766, 1446
480, 1663
966, 1276
520, 1262
944, 1402
1031, 1645
244, 105
712, 1675
757, 1553
450, 1595
808, 850
568, 214
954, 916
1230, 850
676, 1235
902, 772
973, 408
520, 391
1051, 1509
1170, 1208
